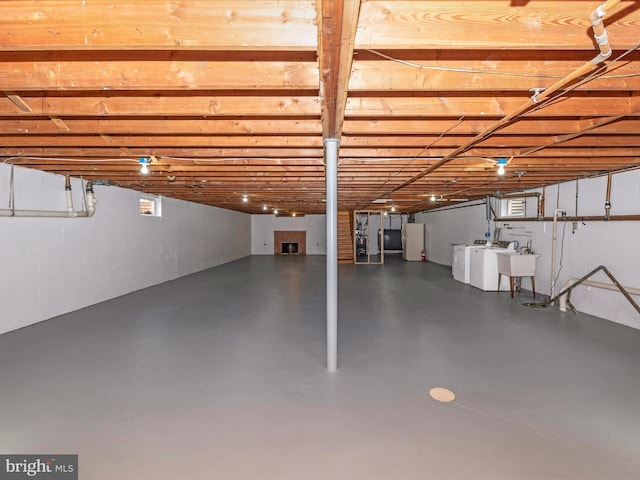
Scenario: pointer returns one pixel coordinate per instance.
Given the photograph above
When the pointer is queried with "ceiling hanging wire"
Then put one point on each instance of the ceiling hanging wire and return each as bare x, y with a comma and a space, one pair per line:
586, 79
474, 71
427, 147
605, 51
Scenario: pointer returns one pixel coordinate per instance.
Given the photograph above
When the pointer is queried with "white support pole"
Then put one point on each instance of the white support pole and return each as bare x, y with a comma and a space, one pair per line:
331, 177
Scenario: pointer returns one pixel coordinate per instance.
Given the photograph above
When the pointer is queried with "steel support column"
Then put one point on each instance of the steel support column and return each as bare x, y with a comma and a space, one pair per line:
331, 177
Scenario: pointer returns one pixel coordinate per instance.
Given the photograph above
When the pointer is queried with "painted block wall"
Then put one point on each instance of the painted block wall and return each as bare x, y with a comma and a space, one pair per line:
615, 245
52, 266
263, 226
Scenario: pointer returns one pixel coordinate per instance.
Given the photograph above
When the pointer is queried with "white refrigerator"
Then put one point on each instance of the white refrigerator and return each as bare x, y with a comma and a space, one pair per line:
412, 241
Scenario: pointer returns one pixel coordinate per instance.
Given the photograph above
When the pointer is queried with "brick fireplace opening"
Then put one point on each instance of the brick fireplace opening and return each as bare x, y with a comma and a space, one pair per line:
289, 243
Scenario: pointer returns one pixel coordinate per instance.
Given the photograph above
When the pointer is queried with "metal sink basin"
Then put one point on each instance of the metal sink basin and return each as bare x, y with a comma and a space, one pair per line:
515, 264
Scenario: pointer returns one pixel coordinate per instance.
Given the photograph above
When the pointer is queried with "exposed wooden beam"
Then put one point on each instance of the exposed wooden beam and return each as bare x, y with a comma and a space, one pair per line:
487, 106
590, 125
351, 9
235, 97
84, 75
163, 140
157, 25
183, 105
390, 76
526, 126
190, 127
487, 24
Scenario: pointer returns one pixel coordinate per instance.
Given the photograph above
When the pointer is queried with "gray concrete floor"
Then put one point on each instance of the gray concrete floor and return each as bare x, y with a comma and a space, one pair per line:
222, 374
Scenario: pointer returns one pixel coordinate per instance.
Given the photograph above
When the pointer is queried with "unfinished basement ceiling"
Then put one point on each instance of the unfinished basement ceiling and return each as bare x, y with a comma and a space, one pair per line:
235, 97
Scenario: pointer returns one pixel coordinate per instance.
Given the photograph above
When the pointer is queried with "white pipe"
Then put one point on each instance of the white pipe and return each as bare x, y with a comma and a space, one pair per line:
37, 213
599, 32
91, 200
67, 191
562, 301
69, 213
553, 249
331, 174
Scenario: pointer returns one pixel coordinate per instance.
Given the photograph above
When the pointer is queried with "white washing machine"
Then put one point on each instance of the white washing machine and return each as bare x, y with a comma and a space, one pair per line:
484, 266
461, 261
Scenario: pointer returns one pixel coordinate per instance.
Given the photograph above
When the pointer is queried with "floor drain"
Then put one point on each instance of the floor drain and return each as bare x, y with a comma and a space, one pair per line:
442, 394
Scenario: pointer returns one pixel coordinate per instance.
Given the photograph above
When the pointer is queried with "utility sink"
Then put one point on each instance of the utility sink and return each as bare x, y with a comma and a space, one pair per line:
515, 264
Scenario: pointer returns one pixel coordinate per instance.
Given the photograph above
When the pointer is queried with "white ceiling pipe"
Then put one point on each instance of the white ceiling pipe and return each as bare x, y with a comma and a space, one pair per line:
69, 213
599, 33
562, 301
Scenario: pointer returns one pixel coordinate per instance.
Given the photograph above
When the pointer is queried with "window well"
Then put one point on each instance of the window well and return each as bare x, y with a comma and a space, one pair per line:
150, 206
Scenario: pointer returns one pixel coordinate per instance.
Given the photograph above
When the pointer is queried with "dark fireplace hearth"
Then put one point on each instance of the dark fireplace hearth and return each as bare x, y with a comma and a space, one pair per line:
289, 242
289, 248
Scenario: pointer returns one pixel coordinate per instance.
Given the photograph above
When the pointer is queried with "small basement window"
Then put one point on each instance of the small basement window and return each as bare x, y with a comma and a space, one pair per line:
150, 206
513, 207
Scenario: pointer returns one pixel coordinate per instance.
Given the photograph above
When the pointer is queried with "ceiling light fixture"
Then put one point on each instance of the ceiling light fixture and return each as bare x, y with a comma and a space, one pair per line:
144, 165
264, 207
433, 197
245, 197
501, 164
275, 211
393, 208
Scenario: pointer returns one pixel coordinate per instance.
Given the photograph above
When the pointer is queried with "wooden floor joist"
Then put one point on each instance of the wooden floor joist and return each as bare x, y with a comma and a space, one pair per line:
239, 98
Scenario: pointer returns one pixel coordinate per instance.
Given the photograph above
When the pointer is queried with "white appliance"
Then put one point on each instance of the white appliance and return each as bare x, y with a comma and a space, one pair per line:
412, 241
461, 261
484, 266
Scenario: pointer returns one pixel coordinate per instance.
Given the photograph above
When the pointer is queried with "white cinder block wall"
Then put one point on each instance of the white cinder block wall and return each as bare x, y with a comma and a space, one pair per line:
51, 266
263, 226
615, 245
